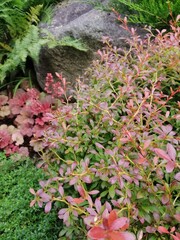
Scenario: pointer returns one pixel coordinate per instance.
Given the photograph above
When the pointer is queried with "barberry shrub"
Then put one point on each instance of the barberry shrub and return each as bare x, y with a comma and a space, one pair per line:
113, 160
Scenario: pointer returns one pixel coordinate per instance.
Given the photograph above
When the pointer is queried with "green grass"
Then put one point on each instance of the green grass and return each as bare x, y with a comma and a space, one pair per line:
17, 220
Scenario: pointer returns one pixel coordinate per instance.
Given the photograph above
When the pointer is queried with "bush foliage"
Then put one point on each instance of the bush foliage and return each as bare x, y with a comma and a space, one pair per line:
113, 155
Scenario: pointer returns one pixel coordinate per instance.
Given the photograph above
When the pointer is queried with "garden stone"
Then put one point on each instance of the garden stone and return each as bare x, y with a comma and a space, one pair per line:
81, 21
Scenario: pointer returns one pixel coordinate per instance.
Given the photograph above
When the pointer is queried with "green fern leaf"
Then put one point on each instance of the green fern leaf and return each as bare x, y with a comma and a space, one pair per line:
75, 43
34, 13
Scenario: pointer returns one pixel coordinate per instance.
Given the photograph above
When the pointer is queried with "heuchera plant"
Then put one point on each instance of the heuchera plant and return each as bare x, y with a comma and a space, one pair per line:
113, 161
28, 114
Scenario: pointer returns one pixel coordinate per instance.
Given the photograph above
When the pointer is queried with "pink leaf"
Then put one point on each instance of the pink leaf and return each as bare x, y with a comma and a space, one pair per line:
98, 205
73, 180
165, 198
177, 217
32, 203
171, 151
122, 236
32, 191
170, 166
162, 229
93, 192
99, 145
61, 190
128, 236
45, 197
96, 233
120, 223
167, 129
62, 211
48, 207
147, 143
175, 237
90, 200
87, 179
162, 154
140, 235
177, 176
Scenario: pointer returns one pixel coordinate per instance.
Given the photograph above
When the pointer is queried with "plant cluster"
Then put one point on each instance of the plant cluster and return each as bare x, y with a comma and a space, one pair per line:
17, 219
156, 13
19, 34
23, 119
113, 160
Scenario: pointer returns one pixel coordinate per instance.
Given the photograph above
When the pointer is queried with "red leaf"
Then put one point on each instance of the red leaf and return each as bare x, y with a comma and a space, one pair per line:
105, 223
162, 229
171, 151
120, 223
78, 200
162, 154
97, 233
121, 236
48, 207
81, 191
115, 236
112, 217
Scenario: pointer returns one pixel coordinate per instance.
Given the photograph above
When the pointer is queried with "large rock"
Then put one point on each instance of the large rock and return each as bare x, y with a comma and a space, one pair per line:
82, 21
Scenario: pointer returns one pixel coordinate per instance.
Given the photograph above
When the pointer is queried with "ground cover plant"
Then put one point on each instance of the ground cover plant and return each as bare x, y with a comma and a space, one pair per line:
17, 219
113, 155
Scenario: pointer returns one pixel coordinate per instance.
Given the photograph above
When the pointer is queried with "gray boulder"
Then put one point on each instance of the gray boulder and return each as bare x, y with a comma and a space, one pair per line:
81, 21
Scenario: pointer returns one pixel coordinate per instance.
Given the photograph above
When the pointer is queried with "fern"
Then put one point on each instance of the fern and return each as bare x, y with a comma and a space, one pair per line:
33, 14
18, 37
29, 45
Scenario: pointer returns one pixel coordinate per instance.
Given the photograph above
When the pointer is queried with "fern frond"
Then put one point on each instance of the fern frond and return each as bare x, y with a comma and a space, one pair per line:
47, 13
34, 13
75, 43
6, 47
29, 45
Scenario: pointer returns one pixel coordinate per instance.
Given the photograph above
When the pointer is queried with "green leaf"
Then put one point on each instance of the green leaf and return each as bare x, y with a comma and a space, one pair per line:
104, 193
112, 191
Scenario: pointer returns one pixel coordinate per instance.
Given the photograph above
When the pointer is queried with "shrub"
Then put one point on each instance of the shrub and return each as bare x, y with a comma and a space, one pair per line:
113, 158
17, 219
